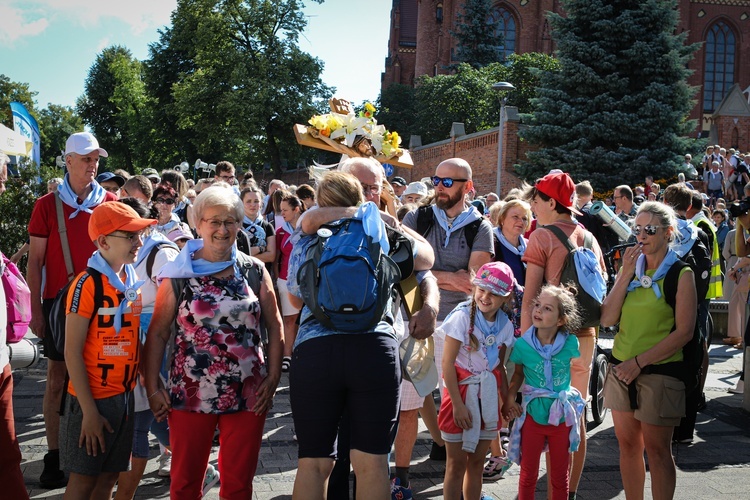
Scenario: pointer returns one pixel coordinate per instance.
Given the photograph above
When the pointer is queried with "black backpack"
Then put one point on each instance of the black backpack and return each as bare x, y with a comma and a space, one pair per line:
152, 256
426, 219
57, 314
692, 352
699, 260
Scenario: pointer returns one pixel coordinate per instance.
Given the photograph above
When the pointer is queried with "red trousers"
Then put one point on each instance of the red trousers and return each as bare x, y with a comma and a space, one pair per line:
533, 438
11, 478
191, 434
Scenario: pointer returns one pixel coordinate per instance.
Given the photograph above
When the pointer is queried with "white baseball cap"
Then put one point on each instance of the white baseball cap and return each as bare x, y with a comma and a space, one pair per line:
83, 143
415, 188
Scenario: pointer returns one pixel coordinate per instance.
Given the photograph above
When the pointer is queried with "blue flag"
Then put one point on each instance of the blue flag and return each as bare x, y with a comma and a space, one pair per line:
26, 125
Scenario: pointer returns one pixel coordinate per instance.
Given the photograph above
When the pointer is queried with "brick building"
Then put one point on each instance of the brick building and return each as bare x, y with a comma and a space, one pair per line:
421, 44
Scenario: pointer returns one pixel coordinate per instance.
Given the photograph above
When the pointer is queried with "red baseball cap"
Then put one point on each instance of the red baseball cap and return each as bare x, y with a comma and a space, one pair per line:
114, 216
561, 188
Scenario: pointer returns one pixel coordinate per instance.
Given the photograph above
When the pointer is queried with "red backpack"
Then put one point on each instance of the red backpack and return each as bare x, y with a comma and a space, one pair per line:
17, 300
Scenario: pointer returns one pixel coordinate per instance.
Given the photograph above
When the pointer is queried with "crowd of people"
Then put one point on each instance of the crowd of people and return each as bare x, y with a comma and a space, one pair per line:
186, 301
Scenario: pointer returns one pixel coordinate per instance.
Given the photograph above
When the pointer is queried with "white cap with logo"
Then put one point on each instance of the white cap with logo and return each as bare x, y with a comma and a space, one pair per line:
83, 143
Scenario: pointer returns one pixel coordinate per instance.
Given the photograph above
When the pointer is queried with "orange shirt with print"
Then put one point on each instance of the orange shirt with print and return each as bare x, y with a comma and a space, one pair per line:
111, 358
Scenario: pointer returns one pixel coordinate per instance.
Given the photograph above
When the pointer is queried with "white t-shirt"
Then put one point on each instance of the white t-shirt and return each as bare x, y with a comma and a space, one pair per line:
456, 326
149, 288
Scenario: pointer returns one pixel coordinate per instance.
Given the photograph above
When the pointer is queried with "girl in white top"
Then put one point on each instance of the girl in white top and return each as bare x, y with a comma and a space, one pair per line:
477, 334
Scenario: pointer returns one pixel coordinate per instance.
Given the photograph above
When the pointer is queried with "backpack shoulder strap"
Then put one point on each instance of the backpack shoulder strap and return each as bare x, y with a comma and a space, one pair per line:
63, 230
561, 236
252, 271
98, 288
471, 230
425, 219
670, 282
152, 257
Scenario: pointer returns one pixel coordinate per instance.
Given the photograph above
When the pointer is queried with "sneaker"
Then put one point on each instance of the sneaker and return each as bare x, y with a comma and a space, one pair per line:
739, 388
286, 363
399, 492
437, 452
504, 439
52, 477
496, 468
486, 496
165, 464
212, 477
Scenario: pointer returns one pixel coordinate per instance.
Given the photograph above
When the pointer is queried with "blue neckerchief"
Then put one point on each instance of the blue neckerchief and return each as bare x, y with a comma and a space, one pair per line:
153, 240
184, 266
507, 244
373, 225
546, 351
480, 322
181, 204
464, 218
171, 224
255, 230
94, 198
661, 272
287, 226
685, 237
129, 289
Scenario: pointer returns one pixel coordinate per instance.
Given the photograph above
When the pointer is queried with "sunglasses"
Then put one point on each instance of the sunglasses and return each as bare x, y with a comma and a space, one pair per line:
447, 181
649, 230
165, 201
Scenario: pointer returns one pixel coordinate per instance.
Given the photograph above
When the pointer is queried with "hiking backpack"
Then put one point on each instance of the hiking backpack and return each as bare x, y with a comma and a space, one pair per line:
692, 352
346, 280
17, 300
59, 305
582, 265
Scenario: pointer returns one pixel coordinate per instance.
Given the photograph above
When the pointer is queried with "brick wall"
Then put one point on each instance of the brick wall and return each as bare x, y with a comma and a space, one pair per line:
733, 135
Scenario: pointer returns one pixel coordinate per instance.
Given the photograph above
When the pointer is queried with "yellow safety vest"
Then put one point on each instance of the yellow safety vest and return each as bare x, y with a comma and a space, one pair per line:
715, 284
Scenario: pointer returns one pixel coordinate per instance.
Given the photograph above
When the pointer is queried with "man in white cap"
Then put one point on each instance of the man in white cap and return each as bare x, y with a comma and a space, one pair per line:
414, 193
76, 197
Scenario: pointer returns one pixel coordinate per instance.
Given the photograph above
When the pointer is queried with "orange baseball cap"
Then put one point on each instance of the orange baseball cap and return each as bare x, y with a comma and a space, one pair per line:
114, 216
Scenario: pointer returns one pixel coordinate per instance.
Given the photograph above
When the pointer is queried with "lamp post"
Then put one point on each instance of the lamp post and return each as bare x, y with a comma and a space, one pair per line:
501, 87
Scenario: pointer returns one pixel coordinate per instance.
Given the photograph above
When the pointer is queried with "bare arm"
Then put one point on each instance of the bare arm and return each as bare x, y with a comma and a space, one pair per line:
272, 317
311, 220
422, 322
511, 409
460, 281
94, 424
20, 253
612, 305
157, 338
270, 254
534, 280
37, 253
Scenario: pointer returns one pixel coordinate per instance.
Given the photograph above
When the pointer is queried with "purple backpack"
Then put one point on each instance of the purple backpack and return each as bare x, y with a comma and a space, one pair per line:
17, 300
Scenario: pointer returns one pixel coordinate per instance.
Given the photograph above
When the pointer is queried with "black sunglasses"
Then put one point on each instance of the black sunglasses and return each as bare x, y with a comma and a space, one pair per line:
166, 201
447, 181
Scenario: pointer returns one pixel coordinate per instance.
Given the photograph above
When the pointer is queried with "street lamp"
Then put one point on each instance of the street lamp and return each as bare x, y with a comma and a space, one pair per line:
501, 87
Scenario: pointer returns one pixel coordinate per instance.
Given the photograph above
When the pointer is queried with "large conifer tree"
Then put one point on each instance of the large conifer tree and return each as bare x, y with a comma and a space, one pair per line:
617, 109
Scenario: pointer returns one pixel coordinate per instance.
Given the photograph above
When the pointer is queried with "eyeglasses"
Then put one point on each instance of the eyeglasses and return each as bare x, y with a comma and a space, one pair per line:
227, 178
648, 229
374, 189
447, 181
216, 224
133, 237
165, 201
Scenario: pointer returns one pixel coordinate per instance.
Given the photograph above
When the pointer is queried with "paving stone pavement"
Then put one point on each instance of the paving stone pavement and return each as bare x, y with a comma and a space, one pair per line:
715, 466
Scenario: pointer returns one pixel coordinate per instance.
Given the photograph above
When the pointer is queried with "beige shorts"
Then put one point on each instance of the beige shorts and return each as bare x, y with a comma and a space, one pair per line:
580, 368
287, 309
661, 398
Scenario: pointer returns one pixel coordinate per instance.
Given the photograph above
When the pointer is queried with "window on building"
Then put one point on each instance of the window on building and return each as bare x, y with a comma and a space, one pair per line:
439, 13
718, 78
505, 25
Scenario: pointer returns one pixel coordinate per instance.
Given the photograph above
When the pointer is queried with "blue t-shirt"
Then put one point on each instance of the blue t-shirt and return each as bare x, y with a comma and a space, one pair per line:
533, 372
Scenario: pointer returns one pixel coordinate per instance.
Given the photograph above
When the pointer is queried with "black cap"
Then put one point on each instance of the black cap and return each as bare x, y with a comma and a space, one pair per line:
398, 180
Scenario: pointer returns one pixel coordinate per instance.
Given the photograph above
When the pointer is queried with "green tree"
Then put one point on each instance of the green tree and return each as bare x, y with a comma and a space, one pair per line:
249, 82
56, 123
14, 92
617, 109
113, 104
397, 110
478, 42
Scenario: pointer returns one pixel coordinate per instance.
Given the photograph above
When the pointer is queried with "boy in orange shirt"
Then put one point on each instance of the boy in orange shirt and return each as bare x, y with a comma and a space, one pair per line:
101, 353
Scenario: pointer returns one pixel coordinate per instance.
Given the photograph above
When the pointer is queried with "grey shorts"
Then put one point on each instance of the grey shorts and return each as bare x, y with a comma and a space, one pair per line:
118, 410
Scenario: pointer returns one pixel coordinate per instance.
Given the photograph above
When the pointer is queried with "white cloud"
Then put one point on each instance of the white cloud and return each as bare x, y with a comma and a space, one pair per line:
18, 23
139, 15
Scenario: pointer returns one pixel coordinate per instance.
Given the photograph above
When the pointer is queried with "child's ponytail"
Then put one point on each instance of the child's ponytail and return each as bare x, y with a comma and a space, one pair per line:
473, 340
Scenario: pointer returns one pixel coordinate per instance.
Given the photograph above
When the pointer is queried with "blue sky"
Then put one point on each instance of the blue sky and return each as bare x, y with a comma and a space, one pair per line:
51, 44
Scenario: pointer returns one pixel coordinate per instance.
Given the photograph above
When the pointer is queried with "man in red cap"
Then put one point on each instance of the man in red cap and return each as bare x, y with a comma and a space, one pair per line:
76, 197
553, 202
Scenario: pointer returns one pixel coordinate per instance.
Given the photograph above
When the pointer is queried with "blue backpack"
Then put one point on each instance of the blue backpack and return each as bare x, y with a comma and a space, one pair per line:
581, 268
346, 280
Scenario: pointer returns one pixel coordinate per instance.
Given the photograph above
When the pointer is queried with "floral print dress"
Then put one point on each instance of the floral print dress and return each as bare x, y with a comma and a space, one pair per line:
217, 364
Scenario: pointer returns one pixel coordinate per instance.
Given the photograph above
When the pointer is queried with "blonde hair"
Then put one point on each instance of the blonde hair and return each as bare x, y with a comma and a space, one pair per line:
339, 189
512, 204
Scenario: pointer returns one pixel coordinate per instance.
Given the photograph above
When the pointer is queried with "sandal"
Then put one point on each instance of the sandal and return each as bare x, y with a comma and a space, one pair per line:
286, 363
